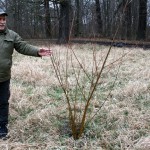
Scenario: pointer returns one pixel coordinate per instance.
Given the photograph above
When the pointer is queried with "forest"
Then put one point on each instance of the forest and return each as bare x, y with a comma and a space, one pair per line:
67, 19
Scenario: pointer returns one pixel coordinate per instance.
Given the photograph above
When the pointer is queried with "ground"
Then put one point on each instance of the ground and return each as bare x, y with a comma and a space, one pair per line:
118, 114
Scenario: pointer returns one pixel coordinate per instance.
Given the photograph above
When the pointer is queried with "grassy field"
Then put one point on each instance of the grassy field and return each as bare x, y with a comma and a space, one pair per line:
38, 108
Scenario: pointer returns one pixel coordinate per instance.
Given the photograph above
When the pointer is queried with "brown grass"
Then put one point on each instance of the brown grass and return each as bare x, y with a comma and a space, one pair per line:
38, 109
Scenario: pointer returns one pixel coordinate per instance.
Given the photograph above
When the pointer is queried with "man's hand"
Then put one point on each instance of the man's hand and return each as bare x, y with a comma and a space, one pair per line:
44, 52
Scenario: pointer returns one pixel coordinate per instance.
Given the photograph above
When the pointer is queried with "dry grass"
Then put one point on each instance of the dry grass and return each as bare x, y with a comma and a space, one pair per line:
38, 109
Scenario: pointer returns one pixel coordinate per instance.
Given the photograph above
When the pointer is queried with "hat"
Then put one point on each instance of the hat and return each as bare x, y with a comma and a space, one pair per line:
3, 13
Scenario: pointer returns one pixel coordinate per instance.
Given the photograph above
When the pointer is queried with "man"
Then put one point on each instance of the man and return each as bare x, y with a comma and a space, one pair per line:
10, 40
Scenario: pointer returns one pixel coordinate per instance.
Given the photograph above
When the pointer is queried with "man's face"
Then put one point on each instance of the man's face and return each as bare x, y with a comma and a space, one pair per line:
2, 22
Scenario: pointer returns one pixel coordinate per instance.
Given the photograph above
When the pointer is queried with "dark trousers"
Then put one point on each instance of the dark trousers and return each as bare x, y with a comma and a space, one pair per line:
4, 104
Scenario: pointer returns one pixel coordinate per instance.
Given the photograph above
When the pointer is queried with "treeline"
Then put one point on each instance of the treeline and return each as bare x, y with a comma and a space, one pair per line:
65, 19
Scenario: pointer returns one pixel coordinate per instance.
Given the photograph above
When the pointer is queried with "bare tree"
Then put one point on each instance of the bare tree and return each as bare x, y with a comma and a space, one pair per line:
141, 32
129, 19
64, 22
99, 18
78, 21
47, 19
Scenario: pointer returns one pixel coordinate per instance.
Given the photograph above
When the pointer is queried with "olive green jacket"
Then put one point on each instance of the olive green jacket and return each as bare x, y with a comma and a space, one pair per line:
9, 40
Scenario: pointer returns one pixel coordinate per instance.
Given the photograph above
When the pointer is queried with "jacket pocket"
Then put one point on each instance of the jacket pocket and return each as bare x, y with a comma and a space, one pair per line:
9, 40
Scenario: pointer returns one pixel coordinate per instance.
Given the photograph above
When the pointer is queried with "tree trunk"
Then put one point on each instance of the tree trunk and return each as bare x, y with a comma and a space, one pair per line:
64, 22
141, 33
78, 20
127, 19
47, 19
99, 18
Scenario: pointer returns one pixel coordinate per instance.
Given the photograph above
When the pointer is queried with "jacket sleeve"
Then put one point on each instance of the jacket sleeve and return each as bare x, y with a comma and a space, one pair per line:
24, 48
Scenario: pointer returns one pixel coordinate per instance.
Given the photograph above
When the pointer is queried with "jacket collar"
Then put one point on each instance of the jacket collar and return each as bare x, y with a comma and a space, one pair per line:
6, 31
